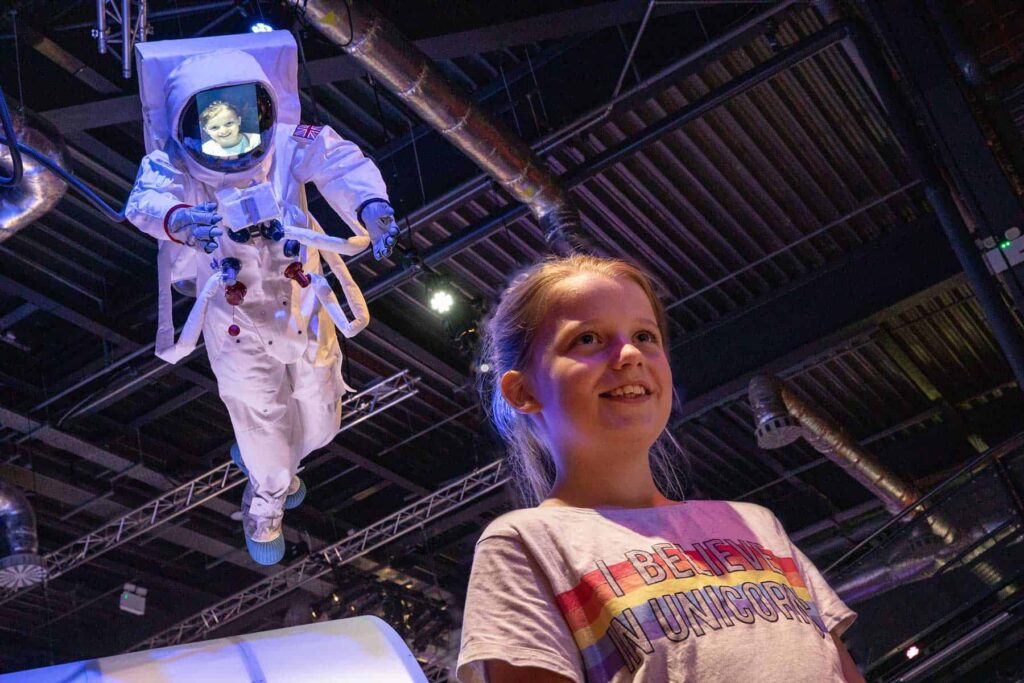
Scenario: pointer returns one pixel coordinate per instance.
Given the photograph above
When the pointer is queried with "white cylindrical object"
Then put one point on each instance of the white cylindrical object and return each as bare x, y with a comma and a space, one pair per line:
318, 240
353, 295
189, 336
358, 649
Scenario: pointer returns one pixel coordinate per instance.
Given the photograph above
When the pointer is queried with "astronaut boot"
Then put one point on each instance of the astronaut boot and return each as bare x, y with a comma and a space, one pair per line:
262, 516
296, 494
296, 490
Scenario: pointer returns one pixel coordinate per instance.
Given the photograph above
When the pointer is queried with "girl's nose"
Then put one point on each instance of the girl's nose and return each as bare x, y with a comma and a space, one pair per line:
627, 354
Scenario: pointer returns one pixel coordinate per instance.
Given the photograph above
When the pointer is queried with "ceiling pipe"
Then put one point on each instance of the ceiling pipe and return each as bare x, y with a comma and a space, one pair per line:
39, 190
20, 563
373, 41
781, 417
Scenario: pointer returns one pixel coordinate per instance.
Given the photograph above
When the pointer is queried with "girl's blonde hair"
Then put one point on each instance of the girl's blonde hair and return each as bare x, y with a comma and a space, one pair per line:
214, 108
507, 343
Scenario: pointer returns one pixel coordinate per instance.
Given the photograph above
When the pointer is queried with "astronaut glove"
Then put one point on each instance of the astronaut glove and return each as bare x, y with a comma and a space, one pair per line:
195, 226
378, 217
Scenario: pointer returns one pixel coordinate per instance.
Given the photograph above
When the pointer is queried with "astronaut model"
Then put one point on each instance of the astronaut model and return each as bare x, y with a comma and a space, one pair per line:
222, 189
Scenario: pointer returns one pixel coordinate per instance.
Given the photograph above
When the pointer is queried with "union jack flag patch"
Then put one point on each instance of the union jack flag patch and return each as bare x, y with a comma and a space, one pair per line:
307, 131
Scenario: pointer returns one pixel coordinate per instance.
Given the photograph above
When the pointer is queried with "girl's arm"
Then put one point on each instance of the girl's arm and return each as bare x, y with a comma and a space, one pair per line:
503, 672
850, 671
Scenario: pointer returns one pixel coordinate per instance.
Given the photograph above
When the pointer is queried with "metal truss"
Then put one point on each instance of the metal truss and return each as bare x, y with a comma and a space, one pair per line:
119, 13
323, 561
355, 409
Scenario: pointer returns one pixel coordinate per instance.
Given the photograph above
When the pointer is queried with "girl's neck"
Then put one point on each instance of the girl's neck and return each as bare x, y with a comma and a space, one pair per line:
610, 479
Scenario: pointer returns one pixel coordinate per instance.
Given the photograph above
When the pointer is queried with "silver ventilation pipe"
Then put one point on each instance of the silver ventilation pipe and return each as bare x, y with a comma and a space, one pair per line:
39, 189
20, 563
378, 46
781, 417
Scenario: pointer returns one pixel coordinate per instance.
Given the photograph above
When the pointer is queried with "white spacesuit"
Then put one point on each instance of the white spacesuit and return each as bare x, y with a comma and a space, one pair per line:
242, 221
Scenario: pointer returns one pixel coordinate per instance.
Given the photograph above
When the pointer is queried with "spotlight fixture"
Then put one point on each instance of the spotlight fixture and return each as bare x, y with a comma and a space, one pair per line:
441, 301
440, 294
261, 27
913, 651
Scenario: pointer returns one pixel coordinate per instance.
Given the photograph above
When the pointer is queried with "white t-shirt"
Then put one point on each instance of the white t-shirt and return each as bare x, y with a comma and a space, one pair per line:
695, 591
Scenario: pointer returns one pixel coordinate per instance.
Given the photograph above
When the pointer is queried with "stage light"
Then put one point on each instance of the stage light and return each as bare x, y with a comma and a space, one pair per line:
913, 651
484, 368
133, 599
261, 27
441, 301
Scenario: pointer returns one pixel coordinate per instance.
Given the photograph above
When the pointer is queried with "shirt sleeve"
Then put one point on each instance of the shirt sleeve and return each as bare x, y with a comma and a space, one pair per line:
340, 172
511, 615
834, 613
159, 187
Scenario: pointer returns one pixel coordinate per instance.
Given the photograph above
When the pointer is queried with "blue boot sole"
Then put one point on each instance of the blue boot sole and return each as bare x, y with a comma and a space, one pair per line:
294, 500
236, 457
266, 553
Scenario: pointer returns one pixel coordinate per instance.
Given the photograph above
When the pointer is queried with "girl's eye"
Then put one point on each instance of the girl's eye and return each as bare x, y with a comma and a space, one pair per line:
646, 337
587, 338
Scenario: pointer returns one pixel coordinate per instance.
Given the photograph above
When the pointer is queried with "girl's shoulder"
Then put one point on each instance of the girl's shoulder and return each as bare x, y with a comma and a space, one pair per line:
526, 522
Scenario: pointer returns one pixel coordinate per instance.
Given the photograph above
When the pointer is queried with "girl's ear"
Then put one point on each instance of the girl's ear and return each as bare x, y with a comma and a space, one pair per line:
515, 390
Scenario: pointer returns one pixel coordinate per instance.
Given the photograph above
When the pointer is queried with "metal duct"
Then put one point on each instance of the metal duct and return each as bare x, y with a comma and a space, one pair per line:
778, 411
39, 189
20, 563
377, 45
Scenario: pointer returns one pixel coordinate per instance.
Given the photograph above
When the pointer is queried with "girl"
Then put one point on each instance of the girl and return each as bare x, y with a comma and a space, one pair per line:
223, 125
609, 579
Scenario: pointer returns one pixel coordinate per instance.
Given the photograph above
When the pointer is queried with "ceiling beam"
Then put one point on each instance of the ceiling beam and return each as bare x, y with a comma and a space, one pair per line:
552, 26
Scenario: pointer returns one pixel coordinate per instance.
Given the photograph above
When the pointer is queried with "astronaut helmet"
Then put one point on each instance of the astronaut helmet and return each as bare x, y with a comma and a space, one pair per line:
227, 129
222, 110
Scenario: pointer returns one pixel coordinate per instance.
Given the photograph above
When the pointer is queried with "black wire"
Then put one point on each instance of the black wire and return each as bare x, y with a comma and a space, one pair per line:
380, 110
17, 169
309, 81
116, 216
351, 26
17, 61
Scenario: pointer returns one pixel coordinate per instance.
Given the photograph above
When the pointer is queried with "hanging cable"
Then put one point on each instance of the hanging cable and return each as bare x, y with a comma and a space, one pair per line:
17, 62
51, 165
17, 169
299, 37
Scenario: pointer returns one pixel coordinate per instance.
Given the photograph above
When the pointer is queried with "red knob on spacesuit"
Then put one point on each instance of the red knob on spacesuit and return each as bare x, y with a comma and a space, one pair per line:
235, 294
295, 272
234, 330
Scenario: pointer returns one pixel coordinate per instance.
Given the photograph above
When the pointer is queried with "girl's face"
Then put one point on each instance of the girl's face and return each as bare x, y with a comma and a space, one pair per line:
224, 128
599, 375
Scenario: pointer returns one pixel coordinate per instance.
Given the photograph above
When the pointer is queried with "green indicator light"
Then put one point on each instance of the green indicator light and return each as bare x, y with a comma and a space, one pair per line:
1005, 244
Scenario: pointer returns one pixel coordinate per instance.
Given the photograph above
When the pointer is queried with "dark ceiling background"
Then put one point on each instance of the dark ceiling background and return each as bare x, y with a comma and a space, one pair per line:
785, 226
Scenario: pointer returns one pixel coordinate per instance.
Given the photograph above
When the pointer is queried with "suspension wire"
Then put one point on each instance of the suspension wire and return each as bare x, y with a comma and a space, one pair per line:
380, 110
536, 86
17, 168
17, 62
508, 96
309, 81
416, 156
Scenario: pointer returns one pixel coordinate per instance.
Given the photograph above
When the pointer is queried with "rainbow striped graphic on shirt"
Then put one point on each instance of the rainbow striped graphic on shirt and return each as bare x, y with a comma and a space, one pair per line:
618, 612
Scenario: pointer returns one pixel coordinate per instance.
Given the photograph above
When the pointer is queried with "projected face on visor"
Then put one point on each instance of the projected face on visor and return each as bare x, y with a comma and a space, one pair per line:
227, 129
